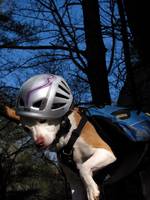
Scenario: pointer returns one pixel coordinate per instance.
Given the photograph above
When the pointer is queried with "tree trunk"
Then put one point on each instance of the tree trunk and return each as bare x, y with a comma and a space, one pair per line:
130, 73
138, 20
95, 49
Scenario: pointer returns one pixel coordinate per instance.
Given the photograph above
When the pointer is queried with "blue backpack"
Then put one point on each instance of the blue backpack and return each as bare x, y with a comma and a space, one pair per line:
134, 125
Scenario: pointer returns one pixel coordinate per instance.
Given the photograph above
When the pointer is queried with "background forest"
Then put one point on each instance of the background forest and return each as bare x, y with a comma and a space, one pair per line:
101, 48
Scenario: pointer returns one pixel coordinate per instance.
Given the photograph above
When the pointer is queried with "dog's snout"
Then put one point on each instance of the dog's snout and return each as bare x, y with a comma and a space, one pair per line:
39, 141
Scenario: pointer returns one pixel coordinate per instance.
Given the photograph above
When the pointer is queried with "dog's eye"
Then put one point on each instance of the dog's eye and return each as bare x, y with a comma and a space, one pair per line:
26, 128
42, 121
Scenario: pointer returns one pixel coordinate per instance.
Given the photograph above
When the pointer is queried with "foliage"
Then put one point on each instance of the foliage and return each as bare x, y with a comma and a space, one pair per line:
24, 172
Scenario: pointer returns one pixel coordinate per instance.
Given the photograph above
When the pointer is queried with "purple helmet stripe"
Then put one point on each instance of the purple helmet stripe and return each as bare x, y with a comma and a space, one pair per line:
49, 81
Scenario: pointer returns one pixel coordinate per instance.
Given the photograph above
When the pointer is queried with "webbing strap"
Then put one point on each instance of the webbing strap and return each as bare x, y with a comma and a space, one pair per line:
75, 134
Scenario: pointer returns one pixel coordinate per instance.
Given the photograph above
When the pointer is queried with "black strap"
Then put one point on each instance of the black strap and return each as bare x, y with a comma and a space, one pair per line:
74, 136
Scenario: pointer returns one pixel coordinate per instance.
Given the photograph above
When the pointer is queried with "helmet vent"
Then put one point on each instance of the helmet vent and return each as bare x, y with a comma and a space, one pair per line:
64, 89
65, 85
57, 105
61, 96
21, 102
37, 104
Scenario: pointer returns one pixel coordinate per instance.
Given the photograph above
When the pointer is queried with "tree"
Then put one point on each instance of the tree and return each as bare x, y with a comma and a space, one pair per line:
25, 172
69, 41
95, 52
135, 92
138, 18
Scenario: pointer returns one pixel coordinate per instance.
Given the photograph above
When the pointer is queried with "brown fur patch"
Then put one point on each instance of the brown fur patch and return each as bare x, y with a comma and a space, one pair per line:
11, 113
90, 135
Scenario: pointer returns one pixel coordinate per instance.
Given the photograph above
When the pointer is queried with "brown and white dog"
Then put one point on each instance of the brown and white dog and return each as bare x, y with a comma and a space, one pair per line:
90, 154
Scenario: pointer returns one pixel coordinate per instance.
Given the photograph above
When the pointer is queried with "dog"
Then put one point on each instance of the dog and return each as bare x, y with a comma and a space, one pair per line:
90, 152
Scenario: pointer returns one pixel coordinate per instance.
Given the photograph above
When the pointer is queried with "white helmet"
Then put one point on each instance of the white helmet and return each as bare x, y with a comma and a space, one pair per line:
44, 96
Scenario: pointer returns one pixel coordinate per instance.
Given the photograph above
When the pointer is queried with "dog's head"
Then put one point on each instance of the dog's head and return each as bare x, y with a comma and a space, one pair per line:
44, 96
43, 131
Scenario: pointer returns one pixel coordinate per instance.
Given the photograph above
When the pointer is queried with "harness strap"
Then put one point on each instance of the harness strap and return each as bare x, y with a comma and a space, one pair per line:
74, 136
64, 128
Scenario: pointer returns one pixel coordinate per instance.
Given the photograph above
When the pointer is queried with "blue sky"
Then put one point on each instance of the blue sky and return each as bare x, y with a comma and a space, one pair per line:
16, 77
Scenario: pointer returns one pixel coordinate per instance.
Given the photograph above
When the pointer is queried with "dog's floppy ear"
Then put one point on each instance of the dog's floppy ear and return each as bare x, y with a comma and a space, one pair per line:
11, 114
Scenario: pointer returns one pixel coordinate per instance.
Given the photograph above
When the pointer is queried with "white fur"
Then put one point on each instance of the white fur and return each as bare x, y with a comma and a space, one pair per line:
87, 158
45, 130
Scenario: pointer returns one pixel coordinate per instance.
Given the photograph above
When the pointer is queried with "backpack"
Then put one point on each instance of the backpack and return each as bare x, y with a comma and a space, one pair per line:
135, 126
127, 132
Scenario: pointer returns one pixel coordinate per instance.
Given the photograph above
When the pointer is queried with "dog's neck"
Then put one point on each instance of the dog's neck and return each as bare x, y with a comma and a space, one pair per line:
74, 119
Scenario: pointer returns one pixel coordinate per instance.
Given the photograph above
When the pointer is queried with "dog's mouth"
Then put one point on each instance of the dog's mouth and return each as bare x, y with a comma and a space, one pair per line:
43, 146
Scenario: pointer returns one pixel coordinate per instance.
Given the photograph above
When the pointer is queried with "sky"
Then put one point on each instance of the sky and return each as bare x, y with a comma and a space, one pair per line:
16, 57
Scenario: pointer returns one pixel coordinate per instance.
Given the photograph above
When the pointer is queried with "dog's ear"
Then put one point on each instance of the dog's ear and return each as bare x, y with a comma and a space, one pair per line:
11, 114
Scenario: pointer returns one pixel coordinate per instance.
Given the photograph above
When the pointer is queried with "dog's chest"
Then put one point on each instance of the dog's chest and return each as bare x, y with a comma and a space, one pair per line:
82, 150
87, 142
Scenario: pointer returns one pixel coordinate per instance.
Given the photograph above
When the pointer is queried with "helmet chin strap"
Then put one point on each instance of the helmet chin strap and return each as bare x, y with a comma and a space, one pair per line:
64, 128
65, 123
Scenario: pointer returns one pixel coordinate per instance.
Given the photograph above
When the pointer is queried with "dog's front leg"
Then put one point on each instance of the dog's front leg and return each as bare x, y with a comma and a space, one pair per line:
97, 161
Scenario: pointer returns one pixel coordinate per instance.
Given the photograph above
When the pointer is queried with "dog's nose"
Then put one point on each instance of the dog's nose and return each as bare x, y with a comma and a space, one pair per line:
40, 142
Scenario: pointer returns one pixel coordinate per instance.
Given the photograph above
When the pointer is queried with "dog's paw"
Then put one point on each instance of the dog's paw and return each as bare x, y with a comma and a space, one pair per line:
93, 194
